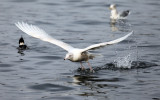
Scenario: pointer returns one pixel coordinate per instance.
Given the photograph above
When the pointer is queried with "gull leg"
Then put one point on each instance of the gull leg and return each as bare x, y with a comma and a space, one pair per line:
91, 69
82, 67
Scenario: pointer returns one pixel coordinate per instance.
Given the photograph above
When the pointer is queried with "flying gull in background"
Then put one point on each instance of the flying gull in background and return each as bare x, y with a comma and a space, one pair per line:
116, 15
74, 54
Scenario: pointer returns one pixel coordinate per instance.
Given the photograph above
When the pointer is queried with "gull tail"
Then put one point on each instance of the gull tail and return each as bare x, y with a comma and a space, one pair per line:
92, 55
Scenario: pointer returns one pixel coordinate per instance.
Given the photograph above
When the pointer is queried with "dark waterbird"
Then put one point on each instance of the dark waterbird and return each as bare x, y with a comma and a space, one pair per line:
22, 45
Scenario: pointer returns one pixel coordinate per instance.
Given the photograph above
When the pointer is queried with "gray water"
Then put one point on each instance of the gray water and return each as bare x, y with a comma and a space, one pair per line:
42, 74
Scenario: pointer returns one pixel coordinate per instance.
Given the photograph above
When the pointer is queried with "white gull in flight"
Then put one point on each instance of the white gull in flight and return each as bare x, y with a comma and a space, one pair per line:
74, 54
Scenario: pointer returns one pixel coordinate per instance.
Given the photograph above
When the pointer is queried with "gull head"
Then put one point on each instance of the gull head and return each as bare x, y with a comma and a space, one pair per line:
69, 56
112, 7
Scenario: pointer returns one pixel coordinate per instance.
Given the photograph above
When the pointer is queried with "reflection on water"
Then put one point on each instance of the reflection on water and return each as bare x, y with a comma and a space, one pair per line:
113, 25
81, 79
95, 84
21, 52
50, 87
120, 25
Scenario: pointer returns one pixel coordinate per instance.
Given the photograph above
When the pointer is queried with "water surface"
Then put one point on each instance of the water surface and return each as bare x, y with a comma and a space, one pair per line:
42, 74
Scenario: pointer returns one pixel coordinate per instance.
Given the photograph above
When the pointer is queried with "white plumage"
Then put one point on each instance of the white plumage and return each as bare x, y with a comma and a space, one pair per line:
74, 54
116, 15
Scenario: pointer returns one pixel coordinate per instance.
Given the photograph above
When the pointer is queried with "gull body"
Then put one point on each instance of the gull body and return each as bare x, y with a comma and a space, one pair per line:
78, 55
116, 15
74, 54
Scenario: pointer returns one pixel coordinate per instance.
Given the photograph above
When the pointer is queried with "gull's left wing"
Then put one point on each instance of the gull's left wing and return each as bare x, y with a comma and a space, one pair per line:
37, 32
96, 46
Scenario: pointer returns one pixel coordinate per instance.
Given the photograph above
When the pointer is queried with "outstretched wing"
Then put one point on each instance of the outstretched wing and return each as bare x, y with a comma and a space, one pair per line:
36, 32
96, 46
124, 13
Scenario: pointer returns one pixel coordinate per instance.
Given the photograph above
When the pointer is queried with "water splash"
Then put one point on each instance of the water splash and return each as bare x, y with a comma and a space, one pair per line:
123, 62
126, 60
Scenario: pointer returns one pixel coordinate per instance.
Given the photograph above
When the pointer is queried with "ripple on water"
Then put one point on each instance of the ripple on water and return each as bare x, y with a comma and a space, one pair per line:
50, 87
47, 57
6, 65
42, 22
90, 4
109, 85
90, 22
57, 98
6, 68
150, 46
43, 62
82, 78
2, 54
24, 0
50, 4
77, 1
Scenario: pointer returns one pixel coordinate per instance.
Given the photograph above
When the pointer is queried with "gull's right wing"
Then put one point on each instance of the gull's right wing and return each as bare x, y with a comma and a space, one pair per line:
36, 32
99, 45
